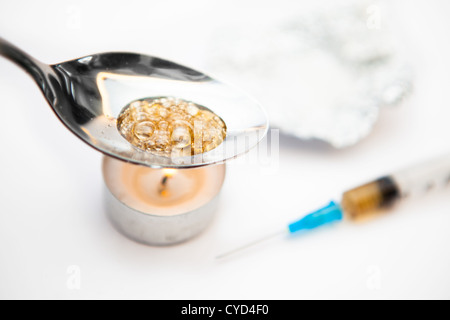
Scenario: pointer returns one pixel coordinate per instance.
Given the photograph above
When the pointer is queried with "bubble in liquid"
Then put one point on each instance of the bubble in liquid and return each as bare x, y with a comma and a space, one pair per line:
181, 136
192, 110
144, 130
140, 116
171, 126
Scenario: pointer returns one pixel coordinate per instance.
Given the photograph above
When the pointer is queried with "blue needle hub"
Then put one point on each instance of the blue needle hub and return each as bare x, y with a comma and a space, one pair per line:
325, 215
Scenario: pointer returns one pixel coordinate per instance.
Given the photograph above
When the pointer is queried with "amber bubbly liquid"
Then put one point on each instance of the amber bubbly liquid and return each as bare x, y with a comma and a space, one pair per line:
171, 127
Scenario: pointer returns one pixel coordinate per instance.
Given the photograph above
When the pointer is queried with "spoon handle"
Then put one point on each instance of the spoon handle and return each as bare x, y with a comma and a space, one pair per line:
32, 66
40, 72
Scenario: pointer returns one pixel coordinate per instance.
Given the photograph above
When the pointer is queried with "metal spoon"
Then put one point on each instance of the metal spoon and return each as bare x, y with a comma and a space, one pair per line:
88, 93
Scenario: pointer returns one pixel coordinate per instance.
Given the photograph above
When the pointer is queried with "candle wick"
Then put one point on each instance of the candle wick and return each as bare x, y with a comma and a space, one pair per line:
163, 186
164, 181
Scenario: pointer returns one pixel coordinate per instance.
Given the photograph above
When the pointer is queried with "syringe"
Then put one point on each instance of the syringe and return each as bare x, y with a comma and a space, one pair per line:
372, 197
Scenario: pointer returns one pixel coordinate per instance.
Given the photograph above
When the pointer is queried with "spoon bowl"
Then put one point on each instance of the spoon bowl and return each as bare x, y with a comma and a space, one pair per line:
88, 94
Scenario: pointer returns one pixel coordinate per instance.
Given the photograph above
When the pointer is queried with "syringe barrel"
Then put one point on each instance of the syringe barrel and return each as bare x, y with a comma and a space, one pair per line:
368, 198
423, 177
386, 190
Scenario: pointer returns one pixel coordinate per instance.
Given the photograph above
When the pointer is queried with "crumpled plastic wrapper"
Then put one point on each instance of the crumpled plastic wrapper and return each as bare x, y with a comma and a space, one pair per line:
323, 74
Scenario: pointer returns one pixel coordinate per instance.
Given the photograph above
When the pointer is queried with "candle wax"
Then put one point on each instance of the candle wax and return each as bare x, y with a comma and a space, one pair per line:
185, 190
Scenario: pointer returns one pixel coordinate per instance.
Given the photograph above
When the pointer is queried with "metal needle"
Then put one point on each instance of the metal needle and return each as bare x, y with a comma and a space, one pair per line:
251, 244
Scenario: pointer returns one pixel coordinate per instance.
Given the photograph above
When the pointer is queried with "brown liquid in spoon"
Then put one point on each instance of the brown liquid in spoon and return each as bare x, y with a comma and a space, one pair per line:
171, 127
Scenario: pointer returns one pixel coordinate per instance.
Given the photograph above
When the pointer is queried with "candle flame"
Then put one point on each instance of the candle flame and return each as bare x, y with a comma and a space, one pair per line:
169, 173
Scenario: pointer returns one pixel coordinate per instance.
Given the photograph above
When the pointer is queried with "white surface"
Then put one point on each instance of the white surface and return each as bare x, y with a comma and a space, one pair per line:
51, 187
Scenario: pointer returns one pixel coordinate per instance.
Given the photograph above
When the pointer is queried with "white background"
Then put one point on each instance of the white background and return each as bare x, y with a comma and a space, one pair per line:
51, 186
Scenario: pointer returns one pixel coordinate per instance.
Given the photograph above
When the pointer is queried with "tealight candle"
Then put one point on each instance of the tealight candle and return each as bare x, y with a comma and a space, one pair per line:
161, 206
